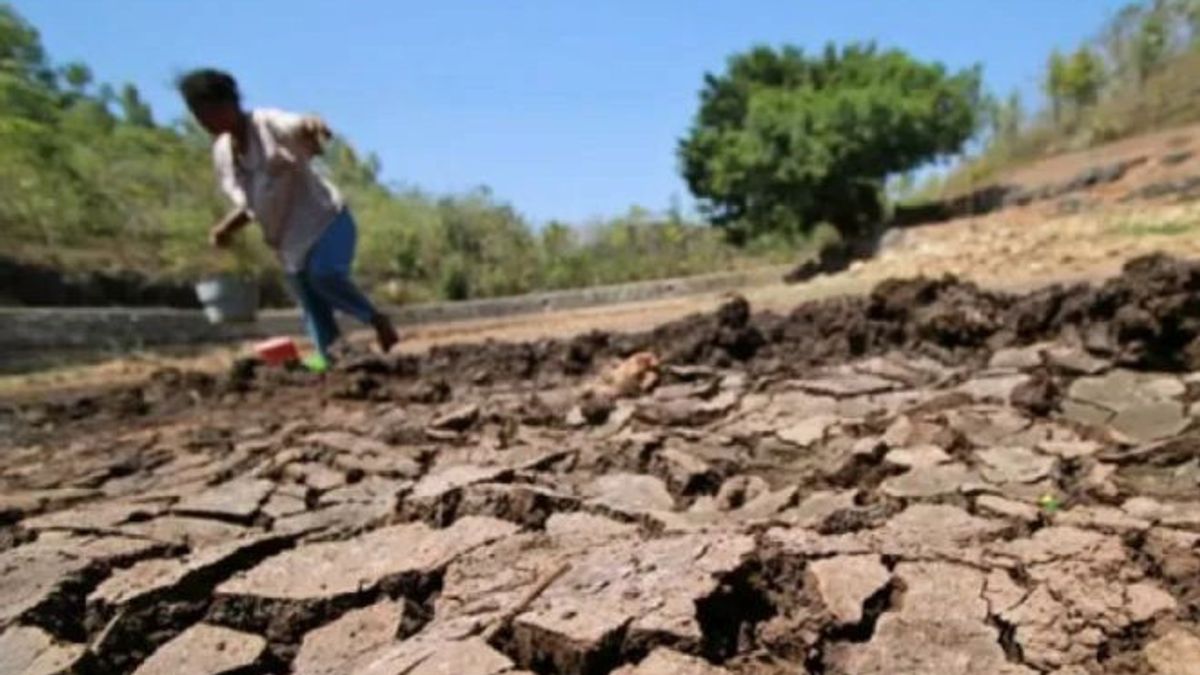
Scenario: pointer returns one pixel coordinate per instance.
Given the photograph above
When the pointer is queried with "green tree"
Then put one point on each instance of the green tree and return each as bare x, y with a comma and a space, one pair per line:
133, 109
1152, 43
21, 51
1085, 78
78, 76
783, 140
1055, 85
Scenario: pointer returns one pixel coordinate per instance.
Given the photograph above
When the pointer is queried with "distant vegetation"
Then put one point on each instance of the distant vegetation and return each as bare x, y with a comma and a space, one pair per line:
784, 140
788, 152
89, 179
1140, 73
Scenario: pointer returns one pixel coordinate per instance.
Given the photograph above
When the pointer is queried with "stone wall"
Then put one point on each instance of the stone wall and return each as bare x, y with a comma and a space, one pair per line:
132, 328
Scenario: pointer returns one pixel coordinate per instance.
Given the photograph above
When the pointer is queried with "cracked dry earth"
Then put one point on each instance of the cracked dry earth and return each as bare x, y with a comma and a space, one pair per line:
855, 487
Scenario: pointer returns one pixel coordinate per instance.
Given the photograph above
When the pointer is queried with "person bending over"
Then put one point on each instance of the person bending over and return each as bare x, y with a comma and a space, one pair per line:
263, 161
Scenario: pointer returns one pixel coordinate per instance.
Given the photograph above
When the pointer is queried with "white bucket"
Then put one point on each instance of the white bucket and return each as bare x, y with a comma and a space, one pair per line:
228, 299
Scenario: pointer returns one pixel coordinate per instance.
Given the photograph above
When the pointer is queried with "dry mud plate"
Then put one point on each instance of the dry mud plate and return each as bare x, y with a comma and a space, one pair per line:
931, 479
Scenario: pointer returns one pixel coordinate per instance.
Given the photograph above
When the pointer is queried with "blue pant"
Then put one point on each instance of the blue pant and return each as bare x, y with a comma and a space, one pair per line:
324, 285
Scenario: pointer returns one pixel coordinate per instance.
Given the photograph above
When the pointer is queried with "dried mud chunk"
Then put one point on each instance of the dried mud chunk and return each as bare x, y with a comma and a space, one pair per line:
663, 661
26, 650
1176, 653
917, 456
238, 500
288, 594
844, 583
1177, 553
817, 508
1106, 518
630, 493
930, 481
686, 473
435, 485
1083, 590
205, 649
940, 626
145, 579
35, 578
415, 656
934, 526
329, 569
586, 524
527, 505
333, 649
336, 519
738, 490
995, 388
1146, 422
94, 516
844, 386
903, 645
808, 432
315, 475
459, 419
628, 590
1008, 508
1014, 465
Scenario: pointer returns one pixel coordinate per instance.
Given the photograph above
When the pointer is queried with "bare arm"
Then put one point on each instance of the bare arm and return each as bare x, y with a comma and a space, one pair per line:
222, 233
314, 132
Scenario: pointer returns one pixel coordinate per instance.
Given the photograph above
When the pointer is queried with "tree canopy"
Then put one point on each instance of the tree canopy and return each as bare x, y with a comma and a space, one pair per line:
783, 140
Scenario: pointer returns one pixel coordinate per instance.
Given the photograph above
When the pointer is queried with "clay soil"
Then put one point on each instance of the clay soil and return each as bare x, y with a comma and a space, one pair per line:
928, 478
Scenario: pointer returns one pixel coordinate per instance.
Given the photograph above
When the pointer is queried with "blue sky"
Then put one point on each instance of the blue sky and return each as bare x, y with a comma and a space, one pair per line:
567, 109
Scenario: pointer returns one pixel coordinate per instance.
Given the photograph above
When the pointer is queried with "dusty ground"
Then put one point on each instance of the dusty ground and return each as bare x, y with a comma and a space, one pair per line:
930, 478
921, 478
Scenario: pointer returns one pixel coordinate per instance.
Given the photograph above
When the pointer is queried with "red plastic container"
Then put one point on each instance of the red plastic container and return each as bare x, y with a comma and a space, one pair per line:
278, 350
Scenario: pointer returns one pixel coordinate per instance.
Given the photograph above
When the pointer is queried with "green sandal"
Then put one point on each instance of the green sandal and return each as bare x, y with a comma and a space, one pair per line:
316, 363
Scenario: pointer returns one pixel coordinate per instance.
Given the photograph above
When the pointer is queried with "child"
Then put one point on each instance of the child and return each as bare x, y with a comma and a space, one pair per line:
263, 159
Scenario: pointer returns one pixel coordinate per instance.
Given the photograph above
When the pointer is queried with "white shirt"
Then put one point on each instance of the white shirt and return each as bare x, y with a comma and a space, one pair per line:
273, 179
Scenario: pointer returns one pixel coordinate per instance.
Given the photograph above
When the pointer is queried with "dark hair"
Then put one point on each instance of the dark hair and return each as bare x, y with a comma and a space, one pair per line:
207, 86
